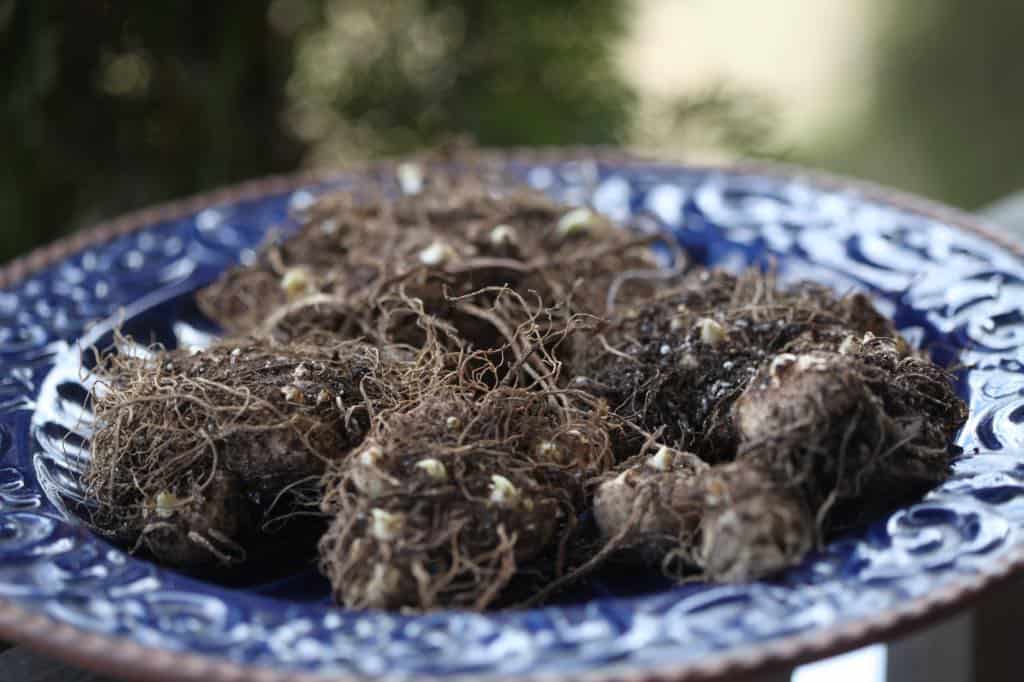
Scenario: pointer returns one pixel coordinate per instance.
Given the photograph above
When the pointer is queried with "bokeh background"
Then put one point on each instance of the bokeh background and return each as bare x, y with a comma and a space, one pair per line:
112, 105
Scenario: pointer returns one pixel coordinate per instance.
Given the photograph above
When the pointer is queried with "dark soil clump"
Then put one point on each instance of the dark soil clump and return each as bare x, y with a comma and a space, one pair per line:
675, 365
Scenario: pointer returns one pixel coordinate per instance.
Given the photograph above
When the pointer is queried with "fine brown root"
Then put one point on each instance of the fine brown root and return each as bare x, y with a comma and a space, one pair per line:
449, 498
200, 456
455, 238
680, 361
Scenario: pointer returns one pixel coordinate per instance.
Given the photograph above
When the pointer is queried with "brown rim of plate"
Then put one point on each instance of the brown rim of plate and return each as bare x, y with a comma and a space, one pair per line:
128, 659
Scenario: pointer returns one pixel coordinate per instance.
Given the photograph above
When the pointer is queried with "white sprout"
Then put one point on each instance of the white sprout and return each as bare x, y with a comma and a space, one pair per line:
503, 492
662, 459
386, 525
166, 503
296, 282
293, 394
438, 253
576, 221
711, 331
503, 235
410, 177
433, 468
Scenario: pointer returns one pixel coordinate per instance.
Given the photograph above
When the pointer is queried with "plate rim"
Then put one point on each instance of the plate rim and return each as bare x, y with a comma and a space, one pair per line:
123, 657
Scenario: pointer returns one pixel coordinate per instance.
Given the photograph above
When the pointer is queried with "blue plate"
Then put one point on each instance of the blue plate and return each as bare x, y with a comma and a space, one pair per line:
950, 289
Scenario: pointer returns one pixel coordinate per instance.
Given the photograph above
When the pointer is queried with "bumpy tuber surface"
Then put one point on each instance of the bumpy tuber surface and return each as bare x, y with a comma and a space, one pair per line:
200, 456
453, 496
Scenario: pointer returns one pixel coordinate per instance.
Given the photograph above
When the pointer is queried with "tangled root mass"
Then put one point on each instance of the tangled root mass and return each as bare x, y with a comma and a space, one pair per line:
441, 385
201, 457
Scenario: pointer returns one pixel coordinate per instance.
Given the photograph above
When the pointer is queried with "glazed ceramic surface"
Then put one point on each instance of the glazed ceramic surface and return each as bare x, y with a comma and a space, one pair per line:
950, 291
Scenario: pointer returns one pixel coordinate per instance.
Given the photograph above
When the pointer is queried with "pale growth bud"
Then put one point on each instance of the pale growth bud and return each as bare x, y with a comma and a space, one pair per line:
296, 282
438, 253
581, 221
849, 346
780, 362
371, 455
711, 331
293, 394
166, 504
452, 423
433, 468
503, 235
549, 451
385, 525
662, 459
410, 177
503, 492
367, 476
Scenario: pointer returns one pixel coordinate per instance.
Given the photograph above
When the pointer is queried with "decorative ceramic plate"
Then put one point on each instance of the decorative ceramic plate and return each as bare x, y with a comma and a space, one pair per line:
950, 288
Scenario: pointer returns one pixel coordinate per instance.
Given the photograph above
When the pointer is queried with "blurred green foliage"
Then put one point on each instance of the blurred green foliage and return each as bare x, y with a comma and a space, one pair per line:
946, 112
387, 77
114, 105
726, 118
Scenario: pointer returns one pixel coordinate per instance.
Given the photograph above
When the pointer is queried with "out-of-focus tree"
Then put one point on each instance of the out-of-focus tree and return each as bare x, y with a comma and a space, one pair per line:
385, 76
113, 105
719, 121
946, 114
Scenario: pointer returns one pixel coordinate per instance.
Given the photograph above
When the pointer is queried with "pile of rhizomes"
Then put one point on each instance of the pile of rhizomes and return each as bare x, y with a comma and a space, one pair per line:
438, 388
